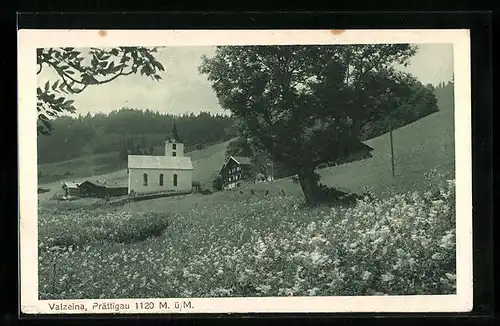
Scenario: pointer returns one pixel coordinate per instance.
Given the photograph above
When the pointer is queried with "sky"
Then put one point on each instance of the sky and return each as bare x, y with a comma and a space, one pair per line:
184, 90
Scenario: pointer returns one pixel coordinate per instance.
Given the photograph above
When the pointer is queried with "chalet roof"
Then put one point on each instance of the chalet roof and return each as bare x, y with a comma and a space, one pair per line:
242, 160
160, 162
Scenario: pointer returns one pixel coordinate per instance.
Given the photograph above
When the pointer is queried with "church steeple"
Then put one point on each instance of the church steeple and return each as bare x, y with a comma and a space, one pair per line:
173, 145
175, 134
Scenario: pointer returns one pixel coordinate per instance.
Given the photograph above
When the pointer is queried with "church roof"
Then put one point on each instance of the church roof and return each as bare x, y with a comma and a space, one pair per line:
160, 162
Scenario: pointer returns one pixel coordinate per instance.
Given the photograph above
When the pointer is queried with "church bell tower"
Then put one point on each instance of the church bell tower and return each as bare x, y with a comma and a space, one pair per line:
174, 146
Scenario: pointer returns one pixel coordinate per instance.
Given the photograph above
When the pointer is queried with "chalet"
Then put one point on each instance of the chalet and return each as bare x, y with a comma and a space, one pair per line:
70, 189
235, 169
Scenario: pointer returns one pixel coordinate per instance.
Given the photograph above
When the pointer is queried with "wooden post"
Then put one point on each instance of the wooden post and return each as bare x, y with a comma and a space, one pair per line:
392, 147
272, 171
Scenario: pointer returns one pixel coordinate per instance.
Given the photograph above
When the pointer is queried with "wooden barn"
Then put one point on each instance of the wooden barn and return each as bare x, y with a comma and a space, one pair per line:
70, 189
361, 151
356, 151
91, 189
235, 169
116, 191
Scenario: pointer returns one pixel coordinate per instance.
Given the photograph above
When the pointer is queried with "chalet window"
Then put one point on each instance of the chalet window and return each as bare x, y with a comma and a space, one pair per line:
161, 179
175, 180
145, 179
174, 146
174, 154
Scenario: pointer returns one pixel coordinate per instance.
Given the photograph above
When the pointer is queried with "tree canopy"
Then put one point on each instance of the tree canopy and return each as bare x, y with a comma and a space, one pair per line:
78, 69
306, 105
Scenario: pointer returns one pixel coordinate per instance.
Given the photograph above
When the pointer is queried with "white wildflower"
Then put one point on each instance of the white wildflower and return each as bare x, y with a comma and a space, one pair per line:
387, 277
437, 256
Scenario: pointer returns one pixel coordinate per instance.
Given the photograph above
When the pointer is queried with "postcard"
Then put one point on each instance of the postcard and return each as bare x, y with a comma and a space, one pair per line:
244, 171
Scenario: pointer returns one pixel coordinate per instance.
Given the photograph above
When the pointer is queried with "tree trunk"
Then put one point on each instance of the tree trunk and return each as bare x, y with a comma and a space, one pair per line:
309, 186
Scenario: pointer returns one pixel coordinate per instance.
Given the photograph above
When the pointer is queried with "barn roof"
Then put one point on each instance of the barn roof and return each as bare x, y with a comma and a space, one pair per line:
364, 146
242, 160
160, 162
70, 184
90, 183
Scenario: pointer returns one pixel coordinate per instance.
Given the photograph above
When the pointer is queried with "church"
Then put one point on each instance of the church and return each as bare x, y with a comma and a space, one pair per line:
171, 172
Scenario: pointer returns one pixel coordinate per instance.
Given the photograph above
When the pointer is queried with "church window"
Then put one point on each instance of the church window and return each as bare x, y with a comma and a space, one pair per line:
175, 180
161, 179
174, 146
174, 154
145, 179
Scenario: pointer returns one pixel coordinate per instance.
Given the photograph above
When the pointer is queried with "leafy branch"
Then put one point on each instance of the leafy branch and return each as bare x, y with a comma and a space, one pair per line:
79, 69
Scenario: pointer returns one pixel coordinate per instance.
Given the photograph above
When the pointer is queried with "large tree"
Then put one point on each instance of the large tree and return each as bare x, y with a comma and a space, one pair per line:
306, 105
77, 70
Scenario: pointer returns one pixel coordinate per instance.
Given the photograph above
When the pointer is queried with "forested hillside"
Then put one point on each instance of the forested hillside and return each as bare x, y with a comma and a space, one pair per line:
129, 130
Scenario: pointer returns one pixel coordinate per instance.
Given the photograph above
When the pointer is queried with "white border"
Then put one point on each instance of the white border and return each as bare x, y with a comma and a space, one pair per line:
29, 40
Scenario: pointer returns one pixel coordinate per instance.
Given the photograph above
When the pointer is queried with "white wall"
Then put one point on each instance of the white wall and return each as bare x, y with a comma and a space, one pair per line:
184, 180
179, 150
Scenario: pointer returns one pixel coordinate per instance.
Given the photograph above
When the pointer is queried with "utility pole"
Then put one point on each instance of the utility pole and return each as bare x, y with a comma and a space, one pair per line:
272, 171
392, 147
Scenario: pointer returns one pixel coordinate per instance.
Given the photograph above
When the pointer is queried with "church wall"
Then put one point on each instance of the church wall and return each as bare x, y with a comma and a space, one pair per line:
136, 181
169, 149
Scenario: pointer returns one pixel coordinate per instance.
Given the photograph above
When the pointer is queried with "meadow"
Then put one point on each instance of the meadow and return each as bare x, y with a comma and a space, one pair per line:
258, 240
253, 246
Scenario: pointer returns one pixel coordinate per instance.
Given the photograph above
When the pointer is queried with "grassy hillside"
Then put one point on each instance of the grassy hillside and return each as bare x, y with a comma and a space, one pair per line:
418, 147
87, 166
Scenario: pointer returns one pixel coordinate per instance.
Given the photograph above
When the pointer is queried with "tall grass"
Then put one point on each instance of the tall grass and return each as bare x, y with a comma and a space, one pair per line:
402, 244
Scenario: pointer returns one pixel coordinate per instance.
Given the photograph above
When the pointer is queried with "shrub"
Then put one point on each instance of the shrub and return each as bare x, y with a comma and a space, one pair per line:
196, 185
218, 183
78, 227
